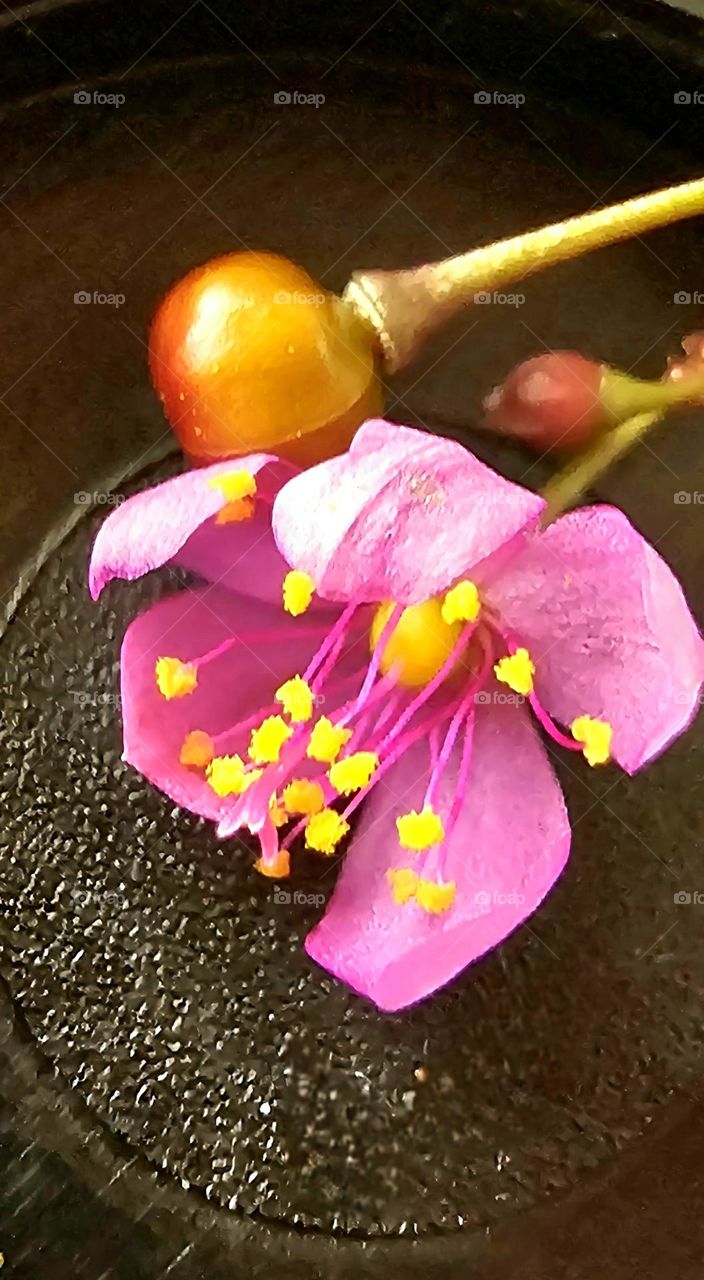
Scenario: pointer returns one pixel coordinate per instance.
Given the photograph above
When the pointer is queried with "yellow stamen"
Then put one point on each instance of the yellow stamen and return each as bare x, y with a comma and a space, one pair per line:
327, 740
227, 777
235, 484
298, 592
197, 749
420, 830
303, 796
420, 643
516, 671
276, 870
354, 772
325, 830
403, 883
235, 512
596, 736
268, 739
434, 896
174, 678
277, 813
461, 604
296, 697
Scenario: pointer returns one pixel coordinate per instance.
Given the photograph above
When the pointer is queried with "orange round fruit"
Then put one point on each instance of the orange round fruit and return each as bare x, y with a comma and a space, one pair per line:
248, 353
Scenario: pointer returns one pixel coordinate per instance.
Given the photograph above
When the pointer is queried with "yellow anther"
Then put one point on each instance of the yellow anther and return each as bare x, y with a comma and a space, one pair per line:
277, 813
403, 883
327, 740
278, 868
516, 671
461, 604
596, 736
296, 697
303, 796
235, 484
235, 512
420, 643
197, 749
175, 678
434, 896
420, 830
268, 739
298, 592
227, 776
325, 830
354, 772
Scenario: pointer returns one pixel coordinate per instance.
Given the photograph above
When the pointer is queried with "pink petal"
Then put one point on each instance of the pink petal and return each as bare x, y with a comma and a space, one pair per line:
164, 524
401, 516
509, 846
229, 689
609, 629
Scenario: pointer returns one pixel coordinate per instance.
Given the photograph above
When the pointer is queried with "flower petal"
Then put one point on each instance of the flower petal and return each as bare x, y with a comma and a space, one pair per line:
608, 627
507, 849
229, 689
174, 522
401, 516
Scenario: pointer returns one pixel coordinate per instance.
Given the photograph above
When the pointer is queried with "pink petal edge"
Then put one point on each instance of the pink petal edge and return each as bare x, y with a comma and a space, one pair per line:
507, 850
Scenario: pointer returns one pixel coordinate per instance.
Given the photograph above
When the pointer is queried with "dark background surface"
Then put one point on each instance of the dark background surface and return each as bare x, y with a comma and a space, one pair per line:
398, 166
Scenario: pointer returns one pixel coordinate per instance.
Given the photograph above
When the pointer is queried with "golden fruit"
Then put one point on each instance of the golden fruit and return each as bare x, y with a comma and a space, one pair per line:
248, 353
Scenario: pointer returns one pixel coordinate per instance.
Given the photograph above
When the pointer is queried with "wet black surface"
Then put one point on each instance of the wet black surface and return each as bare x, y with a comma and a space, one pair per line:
558, 1069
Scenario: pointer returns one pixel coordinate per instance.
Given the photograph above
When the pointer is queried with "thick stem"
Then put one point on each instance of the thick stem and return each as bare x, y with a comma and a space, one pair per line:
404, 307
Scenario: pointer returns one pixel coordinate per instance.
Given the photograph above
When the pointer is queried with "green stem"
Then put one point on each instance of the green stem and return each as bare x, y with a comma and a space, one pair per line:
580, 474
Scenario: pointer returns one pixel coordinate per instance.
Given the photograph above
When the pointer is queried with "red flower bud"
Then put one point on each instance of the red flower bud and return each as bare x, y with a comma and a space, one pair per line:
550, 401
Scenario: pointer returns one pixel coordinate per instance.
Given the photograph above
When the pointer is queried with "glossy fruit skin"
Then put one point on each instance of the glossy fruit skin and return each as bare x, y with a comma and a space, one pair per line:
551, 401
248, 353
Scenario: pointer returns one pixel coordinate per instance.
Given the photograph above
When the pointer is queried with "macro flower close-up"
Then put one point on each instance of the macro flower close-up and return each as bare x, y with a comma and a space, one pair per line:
371, 654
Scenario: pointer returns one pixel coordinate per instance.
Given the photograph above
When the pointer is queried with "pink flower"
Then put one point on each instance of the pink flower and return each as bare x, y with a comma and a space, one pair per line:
426, 618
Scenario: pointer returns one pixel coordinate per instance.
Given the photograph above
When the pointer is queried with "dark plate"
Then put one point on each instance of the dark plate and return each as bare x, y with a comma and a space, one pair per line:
219, 1102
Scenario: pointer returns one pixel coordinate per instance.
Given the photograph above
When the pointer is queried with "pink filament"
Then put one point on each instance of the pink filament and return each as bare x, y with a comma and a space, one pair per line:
429, 689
